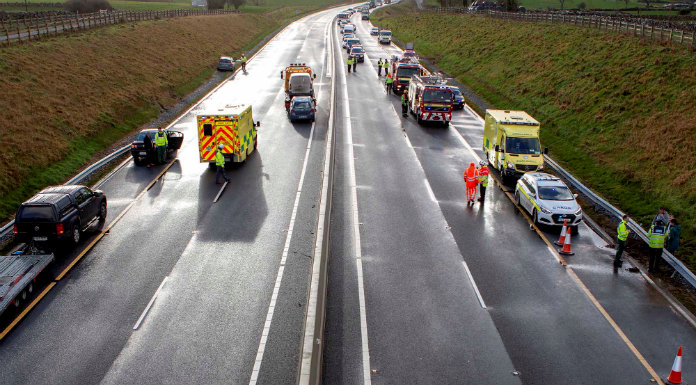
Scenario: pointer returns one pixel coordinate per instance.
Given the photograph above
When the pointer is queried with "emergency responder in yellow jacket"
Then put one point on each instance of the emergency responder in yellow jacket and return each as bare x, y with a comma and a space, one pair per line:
243, 59
389, 82
385, 65
161, 143
349, 62
656, 237
404, 103
220, 165
483, 180
621, 236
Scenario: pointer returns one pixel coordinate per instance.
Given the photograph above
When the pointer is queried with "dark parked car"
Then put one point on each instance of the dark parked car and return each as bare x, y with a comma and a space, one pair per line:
358, 52
301, 107
351, 42
225, 64
144, 151
457, 98
59, 214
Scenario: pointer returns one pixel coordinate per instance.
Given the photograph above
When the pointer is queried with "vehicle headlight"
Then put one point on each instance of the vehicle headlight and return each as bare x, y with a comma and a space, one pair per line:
510, 164
544, 210
540, 167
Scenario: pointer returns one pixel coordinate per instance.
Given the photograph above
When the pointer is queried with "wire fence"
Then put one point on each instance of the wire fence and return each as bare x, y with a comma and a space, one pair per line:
644, 28
28, 30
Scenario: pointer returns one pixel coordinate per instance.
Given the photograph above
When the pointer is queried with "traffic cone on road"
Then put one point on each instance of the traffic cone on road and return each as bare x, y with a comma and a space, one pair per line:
561, 240
675, 374
566, 245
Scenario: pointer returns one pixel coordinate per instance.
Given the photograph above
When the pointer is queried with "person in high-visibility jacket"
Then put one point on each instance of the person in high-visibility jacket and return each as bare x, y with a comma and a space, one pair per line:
483, 180
349, 62
379, 67
389, 82
471, 178
385, 65
621, 236
404, 104
656, 237
220, 165
161, 143
243, 60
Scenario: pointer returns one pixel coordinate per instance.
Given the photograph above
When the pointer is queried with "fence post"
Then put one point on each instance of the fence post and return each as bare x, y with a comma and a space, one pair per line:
693, 38
7, 33
671, 32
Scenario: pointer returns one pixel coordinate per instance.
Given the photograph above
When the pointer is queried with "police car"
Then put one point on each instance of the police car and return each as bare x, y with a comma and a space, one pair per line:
547, 199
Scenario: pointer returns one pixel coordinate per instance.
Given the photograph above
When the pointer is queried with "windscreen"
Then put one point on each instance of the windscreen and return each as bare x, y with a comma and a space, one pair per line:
141, 135
555, 193
407, 72
385, 33
357, 50
302, 106
37, 214
437, 96
522, 146
226, 61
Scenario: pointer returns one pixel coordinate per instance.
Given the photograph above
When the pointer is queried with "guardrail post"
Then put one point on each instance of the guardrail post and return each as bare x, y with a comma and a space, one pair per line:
19, 35
693, 38
681, 37
28, 30
7, 33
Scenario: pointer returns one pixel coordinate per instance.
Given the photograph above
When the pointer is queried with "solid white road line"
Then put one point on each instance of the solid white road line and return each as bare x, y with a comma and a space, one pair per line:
220, 192
367, 379
464, 142
473, 284
149, 305
279, 276
430, 190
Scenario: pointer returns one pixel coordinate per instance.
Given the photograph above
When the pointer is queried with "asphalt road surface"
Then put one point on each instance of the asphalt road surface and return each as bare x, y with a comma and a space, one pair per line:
406, 259
422, 288
213, 266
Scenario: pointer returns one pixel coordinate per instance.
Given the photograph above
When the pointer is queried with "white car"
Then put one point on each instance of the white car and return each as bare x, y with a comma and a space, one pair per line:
374, 31
548, 200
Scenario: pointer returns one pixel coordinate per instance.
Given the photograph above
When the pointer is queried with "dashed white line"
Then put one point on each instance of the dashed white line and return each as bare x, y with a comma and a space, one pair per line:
473, 284
279, 276
220, 192
149, 305
430, 190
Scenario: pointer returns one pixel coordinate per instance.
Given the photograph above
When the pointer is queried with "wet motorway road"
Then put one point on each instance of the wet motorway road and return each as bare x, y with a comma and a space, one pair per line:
215, 264
422, 289
406, 257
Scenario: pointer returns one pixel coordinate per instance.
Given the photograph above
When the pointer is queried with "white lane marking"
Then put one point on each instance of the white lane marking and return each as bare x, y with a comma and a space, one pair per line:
220, 192
465, 143
112, 173
281, 268
473, 284
474, 113
430, 190
149, 305
367, 379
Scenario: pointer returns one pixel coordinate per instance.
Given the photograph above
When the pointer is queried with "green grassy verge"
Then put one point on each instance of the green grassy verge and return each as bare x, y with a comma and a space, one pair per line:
616, 111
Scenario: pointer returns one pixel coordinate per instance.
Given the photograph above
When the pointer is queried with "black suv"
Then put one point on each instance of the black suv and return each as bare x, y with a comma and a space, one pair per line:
144, 151
59, 214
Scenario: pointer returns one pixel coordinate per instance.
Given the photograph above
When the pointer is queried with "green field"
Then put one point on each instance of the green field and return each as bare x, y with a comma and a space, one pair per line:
617, 111
573, 4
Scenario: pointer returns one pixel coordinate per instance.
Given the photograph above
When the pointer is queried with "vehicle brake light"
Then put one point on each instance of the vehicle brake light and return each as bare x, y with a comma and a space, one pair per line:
17, 279
59, 229
15, 230
132, 145
311, 110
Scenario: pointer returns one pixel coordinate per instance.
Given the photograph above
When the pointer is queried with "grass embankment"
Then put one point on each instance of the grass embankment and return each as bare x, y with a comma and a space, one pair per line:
68, 98
617, 111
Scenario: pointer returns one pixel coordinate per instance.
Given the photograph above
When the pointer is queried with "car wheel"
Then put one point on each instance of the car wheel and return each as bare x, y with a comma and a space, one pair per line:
137, 161
517, 198
535, 218
102, 212
24, 295
30, 288
16, 302
76, 234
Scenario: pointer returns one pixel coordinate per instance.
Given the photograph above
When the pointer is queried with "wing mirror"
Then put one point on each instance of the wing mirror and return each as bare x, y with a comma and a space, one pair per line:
258, 124
315, 76
281, 74
546, 150
575, 196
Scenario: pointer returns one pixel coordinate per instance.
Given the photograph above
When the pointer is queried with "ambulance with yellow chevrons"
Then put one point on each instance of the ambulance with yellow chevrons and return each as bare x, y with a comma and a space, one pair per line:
231, 126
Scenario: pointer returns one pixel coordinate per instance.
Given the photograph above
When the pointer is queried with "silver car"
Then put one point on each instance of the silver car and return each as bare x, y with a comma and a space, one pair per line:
547, 199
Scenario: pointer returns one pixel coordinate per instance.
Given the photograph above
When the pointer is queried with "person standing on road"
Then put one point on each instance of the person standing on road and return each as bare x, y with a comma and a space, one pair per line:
388, 82
662, 215
355, 62
621, 236
673, 237
161, 143
656, 237
243, 59
385, 65
220, 165
147, 142
404, 104
379, 67
483, 180
349, 62
471, 178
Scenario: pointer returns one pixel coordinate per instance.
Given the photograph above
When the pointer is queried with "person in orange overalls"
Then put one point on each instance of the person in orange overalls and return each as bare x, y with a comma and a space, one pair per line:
471, 177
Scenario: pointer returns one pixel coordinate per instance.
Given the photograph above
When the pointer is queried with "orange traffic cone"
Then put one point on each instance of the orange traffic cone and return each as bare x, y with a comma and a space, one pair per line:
675, 374
566, 245
561, 240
